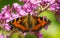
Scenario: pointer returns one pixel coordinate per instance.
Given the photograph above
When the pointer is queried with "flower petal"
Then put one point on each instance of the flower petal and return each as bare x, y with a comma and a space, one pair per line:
46, 27
6, 26
24, 34
23, 13
16, 7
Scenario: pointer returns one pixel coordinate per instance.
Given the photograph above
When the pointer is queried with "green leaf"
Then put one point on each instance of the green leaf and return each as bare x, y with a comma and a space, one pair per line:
17, 35
30, 36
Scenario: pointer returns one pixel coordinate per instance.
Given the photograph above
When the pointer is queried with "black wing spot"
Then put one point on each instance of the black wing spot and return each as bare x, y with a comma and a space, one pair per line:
45, 19
36, 23
49, 22
35, 17
13, 21
21, 23
23, 30
17, 19
9, 22
12, 25
11, 28
22, 18
41, 18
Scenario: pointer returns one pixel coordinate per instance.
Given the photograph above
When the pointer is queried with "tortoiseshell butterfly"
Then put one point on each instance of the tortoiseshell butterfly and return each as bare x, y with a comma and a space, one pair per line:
29, 23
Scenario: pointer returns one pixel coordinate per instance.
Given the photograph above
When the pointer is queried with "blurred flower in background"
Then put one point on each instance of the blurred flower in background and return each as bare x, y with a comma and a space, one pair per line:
1, 36
39, 34
4, 35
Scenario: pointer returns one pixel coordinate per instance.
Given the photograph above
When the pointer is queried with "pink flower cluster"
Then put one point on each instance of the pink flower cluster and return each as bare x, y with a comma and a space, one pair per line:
54, 5
3, 36
38, 1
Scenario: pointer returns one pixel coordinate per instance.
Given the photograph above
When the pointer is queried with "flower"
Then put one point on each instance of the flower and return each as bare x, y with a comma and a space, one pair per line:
23, 13
0, 17
6, 26
36, 2
15, 15
32, 1
4, 35
49, 1
7, 36
5, 16
23, 0
16, 7
38, 34
27, 7
24, 34
1, 36
5, 13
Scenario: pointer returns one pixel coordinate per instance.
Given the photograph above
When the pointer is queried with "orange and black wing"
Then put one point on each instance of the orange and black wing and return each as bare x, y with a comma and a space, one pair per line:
18, 23
40, 22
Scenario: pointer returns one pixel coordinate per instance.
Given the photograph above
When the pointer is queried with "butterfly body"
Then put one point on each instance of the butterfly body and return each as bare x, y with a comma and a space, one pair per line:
29, 23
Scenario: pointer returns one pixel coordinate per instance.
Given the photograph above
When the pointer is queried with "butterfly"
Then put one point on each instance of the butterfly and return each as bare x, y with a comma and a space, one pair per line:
29, 23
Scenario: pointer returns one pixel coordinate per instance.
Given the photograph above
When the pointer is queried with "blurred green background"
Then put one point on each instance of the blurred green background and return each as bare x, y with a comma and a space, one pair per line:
53, 30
